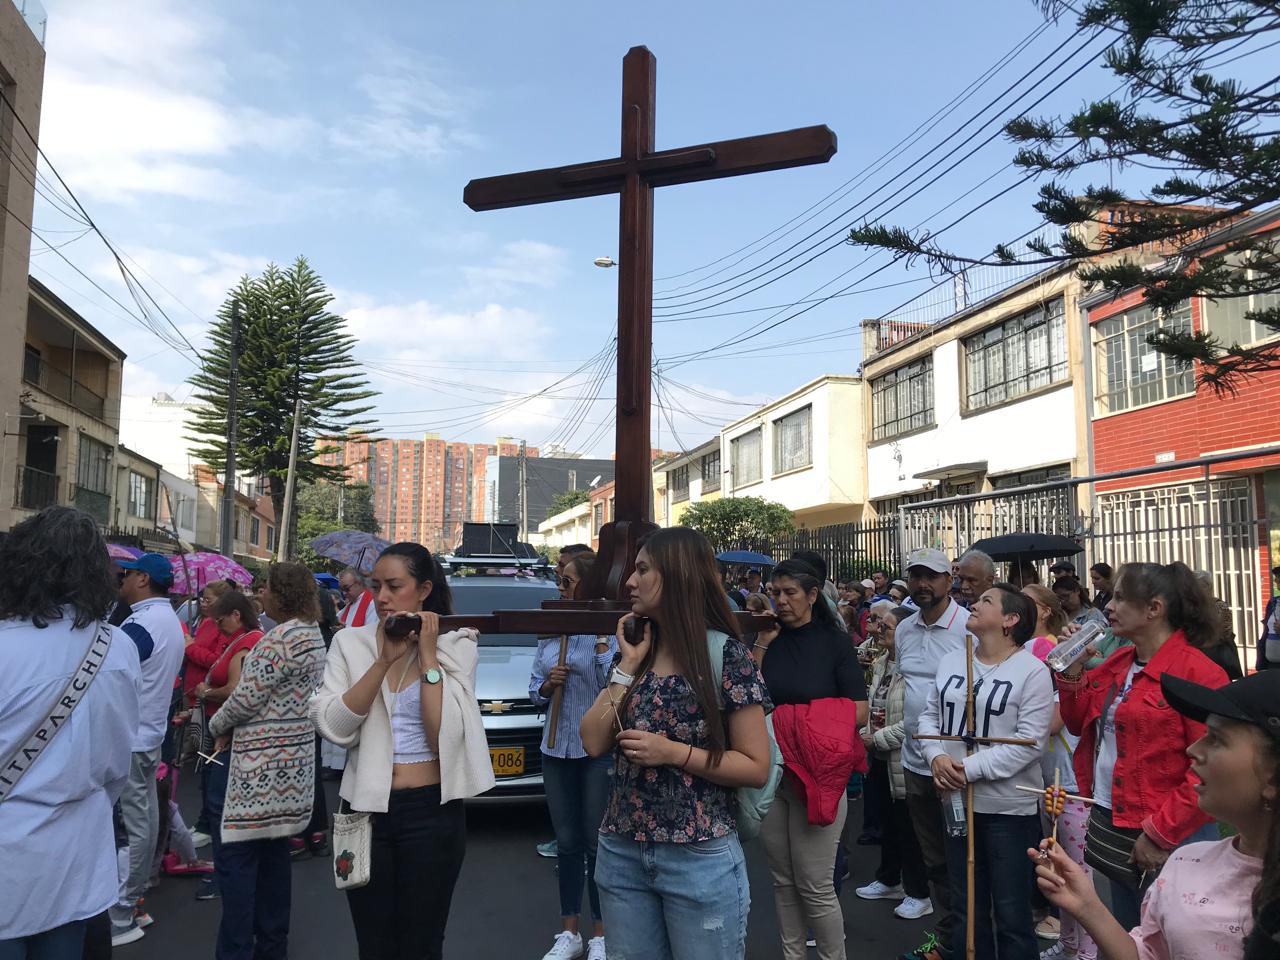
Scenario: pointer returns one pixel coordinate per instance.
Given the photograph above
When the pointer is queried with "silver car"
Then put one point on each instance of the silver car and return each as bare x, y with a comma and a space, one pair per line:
512, 724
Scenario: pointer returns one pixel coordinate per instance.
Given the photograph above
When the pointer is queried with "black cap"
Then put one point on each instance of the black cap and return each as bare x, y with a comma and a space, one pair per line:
1254, 699
1063, 565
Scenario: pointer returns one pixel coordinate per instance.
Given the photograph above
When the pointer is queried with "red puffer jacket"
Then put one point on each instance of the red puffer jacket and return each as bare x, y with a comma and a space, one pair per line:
820, 748
1153, 788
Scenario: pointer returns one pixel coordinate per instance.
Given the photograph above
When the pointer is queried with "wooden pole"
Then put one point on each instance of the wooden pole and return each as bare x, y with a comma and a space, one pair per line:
970, 934
558, 696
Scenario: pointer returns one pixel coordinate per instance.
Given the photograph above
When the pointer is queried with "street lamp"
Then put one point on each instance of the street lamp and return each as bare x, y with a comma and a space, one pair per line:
605, 262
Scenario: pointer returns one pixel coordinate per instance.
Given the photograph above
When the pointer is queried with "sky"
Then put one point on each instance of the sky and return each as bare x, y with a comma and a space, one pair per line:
207, 140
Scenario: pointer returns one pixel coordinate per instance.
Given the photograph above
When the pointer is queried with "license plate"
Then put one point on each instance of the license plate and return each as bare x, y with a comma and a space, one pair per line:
507, 761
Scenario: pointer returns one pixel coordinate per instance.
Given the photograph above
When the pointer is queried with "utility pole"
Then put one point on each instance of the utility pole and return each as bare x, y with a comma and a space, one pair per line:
228, 528
284, 548
342, 496
524, 495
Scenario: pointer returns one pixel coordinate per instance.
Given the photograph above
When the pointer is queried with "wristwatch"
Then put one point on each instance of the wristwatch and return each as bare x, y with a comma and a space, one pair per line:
432, 676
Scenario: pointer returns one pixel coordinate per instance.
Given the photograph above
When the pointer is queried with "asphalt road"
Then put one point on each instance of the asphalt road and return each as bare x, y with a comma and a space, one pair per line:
506, 903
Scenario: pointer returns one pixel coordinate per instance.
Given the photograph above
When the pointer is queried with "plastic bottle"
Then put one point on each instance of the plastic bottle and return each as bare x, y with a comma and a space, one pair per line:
953, 813
1069, 651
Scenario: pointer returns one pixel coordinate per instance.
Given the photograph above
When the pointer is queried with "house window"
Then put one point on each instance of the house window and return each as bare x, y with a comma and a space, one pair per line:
1022, 354
902, 400
255, 530
597, 517
1130, 371
680, 484
744, 458
93, 464
710, 468
271, 537
1026, 478
1226, 319
793, 441
142, 496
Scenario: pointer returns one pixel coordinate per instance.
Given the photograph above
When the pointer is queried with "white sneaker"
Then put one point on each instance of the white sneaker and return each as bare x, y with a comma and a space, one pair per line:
1057, 952
875, 890
568, 946
200, 839
913, 909
122, 935
595, 949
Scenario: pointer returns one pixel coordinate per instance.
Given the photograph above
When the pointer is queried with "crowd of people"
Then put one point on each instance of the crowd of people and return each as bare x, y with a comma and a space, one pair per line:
986, 753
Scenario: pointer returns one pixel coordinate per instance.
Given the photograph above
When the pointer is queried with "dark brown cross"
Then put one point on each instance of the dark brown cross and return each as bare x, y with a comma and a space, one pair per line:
634, 174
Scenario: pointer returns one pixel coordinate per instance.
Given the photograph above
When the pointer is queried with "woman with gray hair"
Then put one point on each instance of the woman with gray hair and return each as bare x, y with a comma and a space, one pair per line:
55, 647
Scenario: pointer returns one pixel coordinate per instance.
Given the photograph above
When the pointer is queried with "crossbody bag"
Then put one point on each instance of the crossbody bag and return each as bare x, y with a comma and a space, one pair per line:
17, 764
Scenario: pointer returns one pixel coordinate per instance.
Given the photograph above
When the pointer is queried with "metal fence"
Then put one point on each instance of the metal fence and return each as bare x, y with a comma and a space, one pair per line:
852, 550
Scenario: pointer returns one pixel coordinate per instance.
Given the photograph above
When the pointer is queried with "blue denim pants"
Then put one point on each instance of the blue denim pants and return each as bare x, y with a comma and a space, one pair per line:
577, 793
673, 901
1003, 876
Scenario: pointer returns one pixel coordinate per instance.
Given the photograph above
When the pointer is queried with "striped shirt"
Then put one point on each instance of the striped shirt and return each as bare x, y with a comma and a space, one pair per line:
588, 675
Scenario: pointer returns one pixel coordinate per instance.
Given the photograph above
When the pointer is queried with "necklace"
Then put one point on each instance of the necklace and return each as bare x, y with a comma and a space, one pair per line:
985, 668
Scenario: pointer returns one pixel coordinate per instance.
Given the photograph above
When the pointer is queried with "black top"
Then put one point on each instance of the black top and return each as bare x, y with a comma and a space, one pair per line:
812, 662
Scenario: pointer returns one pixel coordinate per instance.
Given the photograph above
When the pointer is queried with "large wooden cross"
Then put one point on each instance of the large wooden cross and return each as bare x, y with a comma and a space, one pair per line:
633, 174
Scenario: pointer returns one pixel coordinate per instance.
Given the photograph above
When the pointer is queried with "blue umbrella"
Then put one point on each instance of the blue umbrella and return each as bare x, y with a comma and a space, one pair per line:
353, 548
327, 580
744, 556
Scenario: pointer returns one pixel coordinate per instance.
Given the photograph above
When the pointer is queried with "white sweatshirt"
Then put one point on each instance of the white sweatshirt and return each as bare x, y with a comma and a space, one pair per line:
1013, 699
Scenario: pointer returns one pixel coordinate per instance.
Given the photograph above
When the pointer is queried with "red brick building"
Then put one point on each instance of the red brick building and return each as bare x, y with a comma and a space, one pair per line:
423, 490
1147, 411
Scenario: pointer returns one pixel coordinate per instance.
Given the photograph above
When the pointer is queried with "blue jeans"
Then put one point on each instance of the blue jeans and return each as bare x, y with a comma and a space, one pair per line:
61, 943
673, 901
215, 780
1002, 886
256, 880
577, 793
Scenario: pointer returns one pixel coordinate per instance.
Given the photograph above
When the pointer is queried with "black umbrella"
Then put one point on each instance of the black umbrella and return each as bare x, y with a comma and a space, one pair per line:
1027, 546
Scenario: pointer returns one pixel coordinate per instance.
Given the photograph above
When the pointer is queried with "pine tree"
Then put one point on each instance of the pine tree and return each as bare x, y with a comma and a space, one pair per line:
291, 346
1208, 143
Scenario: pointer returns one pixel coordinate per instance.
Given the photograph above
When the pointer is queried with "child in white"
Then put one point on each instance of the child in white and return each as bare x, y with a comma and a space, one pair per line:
1013, 700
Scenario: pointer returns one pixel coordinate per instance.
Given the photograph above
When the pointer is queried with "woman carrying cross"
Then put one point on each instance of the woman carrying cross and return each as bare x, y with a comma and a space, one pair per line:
998, 710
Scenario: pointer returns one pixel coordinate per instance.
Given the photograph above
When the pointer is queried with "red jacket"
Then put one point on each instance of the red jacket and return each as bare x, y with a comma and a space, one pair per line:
1152, 787
201, 654
820, 749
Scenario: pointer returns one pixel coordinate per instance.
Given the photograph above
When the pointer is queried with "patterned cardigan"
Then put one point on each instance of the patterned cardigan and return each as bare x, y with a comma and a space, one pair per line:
271, 782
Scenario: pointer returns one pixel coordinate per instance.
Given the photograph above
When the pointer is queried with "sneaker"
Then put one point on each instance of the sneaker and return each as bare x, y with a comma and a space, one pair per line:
567, 946
550, 850
912, 908
595, 949
208, 890
875, 890
929, 950
1049, 929
318, 844
120, 935
1057, 952
142, 918
811, 941
200, 838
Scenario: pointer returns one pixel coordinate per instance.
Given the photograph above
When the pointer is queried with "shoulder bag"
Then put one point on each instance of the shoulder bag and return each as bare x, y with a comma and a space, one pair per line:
352, 847
21, 760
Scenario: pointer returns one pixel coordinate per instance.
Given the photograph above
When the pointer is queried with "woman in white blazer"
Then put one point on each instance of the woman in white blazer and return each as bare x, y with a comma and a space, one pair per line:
405, 709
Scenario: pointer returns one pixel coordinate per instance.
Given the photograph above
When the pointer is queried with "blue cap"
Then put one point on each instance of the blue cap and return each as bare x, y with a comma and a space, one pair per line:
154, 565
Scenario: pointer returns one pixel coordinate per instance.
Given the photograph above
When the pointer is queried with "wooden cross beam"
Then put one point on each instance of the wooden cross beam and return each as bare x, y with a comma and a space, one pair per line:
633, 174
970, 725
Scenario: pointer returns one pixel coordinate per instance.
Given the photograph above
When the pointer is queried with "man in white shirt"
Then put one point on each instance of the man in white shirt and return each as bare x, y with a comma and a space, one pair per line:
921, 641
359, 608
157, 633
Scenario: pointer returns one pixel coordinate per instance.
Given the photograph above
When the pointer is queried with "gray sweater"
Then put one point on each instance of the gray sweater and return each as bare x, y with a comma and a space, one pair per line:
1013, 699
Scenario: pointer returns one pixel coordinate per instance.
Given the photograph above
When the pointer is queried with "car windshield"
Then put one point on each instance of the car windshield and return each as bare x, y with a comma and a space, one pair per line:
482, 594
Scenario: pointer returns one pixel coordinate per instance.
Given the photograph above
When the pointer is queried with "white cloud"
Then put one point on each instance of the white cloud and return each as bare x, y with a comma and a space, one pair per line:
421, 330
521, 263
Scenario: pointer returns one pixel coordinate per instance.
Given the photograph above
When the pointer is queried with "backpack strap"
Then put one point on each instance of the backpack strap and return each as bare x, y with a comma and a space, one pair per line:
715, 650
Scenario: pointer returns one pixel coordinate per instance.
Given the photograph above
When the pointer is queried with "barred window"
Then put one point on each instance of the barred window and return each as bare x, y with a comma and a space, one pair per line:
793, 441
142, 496
1130, 372
1017, 356
1025, 478
902, 400
744, 457
93, 464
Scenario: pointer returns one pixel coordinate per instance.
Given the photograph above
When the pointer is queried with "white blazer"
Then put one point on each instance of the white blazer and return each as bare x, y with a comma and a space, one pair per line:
465, 768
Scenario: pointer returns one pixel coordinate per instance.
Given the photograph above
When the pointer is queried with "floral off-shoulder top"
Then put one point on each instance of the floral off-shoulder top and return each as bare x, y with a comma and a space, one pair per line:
665, 804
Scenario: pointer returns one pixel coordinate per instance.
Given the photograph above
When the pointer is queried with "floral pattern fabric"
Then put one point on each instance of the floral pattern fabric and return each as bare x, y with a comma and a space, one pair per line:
665, 804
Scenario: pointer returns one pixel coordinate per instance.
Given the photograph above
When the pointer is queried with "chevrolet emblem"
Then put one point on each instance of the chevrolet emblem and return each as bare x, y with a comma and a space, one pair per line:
495, 706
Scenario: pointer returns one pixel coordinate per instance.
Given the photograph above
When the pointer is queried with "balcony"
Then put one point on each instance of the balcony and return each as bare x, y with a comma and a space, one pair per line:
35, 489
33, 12
56, 383
95, 504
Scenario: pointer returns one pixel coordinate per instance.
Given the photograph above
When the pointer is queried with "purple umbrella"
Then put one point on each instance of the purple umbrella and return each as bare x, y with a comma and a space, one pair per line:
193, 571
118, 551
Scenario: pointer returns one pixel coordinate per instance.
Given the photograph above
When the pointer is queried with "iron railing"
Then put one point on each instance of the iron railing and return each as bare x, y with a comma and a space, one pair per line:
35, 489
92, 502
56, 383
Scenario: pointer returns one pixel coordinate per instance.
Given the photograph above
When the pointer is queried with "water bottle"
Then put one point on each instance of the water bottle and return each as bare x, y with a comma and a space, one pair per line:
1069, 651
953, 813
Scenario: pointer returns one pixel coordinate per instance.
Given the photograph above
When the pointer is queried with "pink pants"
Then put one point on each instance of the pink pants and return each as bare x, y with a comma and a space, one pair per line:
1071, 827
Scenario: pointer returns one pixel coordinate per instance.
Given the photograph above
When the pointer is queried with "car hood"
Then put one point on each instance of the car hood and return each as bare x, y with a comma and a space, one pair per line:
503, 673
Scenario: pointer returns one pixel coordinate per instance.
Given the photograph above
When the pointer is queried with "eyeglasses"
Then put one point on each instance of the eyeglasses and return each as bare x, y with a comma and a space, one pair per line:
567, 581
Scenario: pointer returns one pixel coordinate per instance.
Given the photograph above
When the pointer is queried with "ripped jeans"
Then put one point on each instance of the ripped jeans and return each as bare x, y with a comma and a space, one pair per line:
673, 901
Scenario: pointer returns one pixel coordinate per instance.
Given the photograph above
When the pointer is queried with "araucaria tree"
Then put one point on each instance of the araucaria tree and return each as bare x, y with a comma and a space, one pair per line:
1194, 130
291, 347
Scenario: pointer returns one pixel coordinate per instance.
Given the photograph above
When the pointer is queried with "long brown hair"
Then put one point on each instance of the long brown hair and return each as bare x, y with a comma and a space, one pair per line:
1265, 936
1188, 604
1057, 618
691, 603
